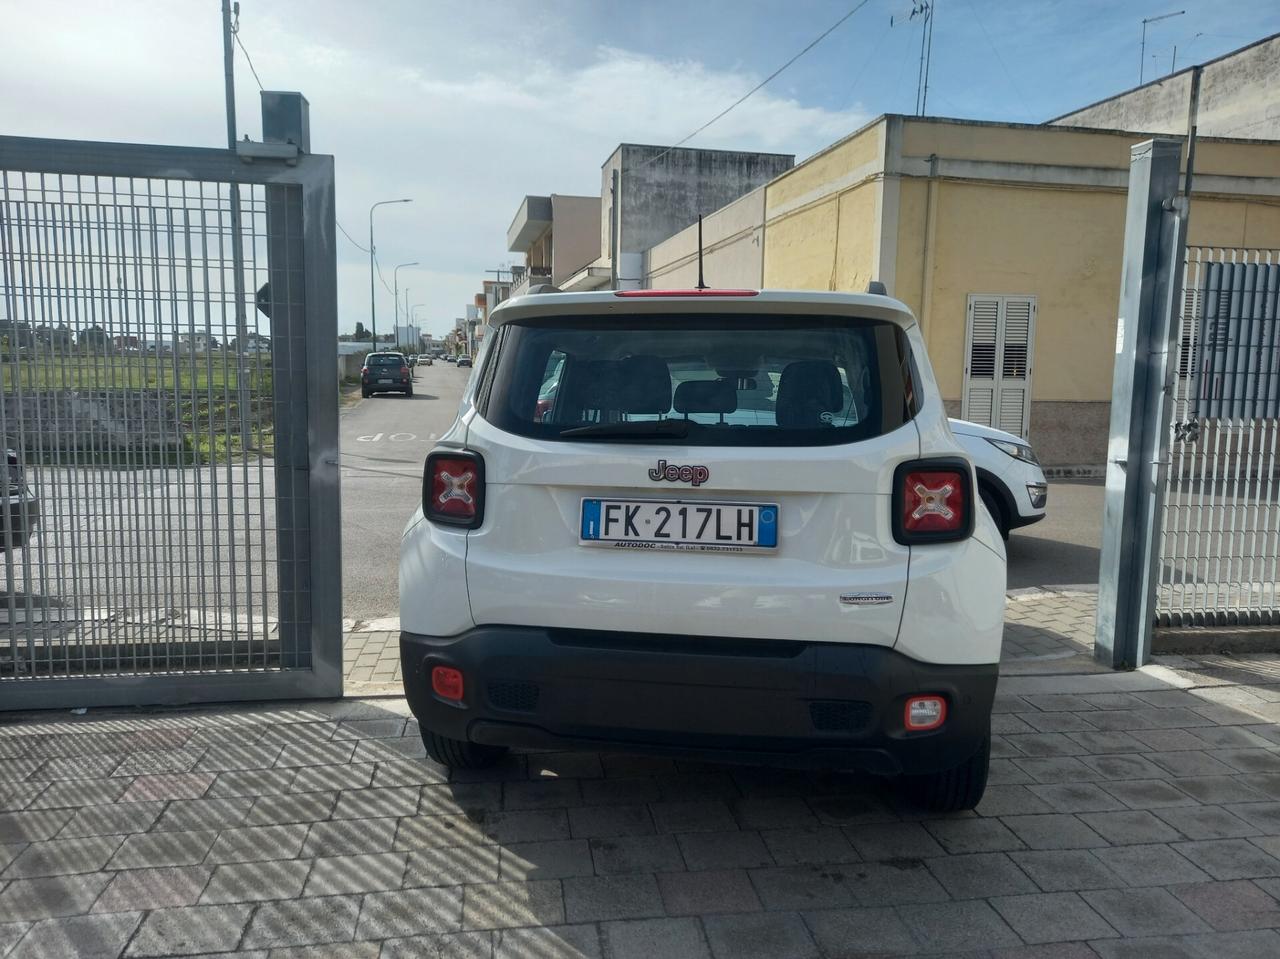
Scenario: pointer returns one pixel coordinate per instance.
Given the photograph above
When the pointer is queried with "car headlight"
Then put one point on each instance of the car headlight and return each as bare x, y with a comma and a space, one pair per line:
1017, 450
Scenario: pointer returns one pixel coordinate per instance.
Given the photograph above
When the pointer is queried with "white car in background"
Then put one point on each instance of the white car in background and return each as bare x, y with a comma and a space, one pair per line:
1010, 480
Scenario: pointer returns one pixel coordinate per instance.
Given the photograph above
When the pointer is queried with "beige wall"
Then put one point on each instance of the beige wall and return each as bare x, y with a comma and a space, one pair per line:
822, 219
732, 239
1029, 228
576, 239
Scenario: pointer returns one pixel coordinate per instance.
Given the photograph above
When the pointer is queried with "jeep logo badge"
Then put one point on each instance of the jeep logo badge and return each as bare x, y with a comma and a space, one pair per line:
697, 475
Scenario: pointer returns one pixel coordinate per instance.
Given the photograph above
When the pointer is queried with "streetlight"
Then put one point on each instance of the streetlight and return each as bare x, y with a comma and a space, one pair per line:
413, 321
395, 283
1142, 56
373, 302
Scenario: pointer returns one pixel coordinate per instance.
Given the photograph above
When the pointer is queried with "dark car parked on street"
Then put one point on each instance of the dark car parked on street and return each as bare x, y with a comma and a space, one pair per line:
21, 510
386, 373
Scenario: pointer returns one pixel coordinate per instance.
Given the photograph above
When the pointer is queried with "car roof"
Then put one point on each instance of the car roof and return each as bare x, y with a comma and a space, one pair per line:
610, 302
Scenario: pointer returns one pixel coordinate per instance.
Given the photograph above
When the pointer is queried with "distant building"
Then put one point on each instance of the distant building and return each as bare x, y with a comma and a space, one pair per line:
409, 337
571, 241
558, 235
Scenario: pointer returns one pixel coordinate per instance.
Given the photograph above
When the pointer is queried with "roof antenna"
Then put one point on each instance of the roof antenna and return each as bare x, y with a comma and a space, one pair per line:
701, 283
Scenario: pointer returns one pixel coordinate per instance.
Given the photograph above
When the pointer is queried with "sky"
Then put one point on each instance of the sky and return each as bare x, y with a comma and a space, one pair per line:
467, 106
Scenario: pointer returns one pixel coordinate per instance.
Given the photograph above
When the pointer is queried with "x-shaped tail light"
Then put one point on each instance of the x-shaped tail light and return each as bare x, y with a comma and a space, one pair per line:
933, 501
456, 487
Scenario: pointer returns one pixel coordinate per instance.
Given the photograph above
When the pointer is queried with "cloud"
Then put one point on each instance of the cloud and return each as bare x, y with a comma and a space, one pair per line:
460, 114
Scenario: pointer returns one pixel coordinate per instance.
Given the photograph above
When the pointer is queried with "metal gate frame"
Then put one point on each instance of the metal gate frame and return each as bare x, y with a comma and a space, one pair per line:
306, 183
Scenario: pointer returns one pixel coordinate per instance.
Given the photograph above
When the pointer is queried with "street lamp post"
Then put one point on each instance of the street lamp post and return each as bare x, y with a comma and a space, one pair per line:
373, 300
395, 283
1142, 56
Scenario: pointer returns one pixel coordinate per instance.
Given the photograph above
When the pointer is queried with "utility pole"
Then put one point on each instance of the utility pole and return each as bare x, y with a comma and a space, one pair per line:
373, 300
1142, 55
237, 240
395, 293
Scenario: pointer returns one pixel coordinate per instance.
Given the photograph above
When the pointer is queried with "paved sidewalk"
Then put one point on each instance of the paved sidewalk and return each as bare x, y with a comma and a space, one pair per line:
1129, 815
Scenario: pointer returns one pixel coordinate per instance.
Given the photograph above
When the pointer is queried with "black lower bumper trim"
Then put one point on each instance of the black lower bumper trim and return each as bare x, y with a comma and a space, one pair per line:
777, 702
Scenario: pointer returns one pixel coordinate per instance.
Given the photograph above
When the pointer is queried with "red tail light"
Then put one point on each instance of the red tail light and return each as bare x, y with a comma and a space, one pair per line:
932, 501
404, 371
364, 371
453, 489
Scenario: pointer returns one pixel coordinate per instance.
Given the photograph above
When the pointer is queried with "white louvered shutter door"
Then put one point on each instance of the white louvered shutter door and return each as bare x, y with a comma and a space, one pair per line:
998, 352
1015, 365
978, 404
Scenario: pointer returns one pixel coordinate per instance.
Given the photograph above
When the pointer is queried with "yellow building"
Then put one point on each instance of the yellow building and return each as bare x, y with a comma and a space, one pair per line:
1005, 239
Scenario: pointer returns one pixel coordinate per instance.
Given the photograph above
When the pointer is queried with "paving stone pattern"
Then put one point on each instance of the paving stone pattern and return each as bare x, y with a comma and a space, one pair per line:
1127, 821
1049, 624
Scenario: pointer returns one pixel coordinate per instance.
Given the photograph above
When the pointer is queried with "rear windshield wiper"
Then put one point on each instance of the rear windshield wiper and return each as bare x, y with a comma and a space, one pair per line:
660, 428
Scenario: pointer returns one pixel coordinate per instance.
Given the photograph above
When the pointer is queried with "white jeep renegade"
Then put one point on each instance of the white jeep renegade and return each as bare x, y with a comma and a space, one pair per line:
725, 523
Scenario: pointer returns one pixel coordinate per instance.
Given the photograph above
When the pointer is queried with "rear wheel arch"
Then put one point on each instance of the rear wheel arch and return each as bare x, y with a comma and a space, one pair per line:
990, 487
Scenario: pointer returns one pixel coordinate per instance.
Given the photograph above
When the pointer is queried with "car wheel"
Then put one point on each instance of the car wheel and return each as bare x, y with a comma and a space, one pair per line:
992, 503
954, 790
457, 754
409, 392
365, 393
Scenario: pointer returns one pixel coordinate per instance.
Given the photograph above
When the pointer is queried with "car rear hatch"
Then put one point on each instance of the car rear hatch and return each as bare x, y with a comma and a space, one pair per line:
695, 467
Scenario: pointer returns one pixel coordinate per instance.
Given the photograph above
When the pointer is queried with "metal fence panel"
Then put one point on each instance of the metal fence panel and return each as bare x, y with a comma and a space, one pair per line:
1221, 520
147, 554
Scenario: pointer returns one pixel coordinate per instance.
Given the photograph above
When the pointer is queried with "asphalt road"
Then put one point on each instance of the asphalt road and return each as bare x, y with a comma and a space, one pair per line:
385, 439
1063, 548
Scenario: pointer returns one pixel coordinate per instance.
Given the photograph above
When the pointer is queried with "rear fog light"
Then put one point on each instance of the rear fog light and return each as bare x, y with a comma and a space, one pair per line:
923, 713
446, 682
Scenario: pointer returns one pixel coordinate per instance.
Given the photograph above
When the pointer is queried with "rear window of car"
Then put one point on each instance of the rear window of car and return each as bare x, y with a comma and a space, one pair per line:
384, 359
703, 380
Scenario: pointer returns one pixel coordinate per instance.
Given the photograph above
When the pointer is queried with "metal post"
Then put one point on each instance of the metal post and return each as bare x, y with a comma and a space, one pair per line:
613, 231
373, 299
1142, 54
1193, 113
373, 302
237, 237
1141, 403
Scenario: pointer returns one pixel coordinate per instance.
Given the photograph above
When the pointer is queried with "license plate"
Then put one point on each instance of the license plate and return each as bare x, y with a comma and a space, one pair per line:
384, 381
672, 524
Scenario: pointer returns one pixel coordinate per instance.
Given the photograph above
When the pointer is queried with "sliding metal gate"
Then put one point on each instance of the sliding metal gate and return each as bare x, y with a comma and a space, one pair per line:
170, 526
1220, 531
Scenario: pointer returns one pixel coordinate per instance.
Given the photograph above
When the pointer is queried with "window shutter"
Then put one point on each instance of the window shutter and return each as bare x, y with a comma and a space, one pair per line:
999, 340
979, 402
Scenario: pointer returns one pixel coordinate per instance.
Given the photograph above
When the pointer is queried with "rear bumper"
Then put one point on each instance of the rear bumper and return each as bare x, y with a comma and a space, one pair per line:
777, 702
397, 386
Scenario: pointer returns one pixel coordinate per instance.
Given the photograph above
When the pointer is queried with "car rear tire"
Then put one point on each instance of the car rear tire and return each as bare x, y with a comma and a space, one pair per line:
992, 503
365, 394
409, 392
954, 790
457, 754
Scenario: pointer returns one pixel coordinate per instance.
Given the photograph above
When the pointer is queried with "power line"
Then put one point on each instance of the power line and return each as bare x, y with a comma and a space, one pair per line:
362, 249
248, 59
999, 59
385, 284
813, 43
